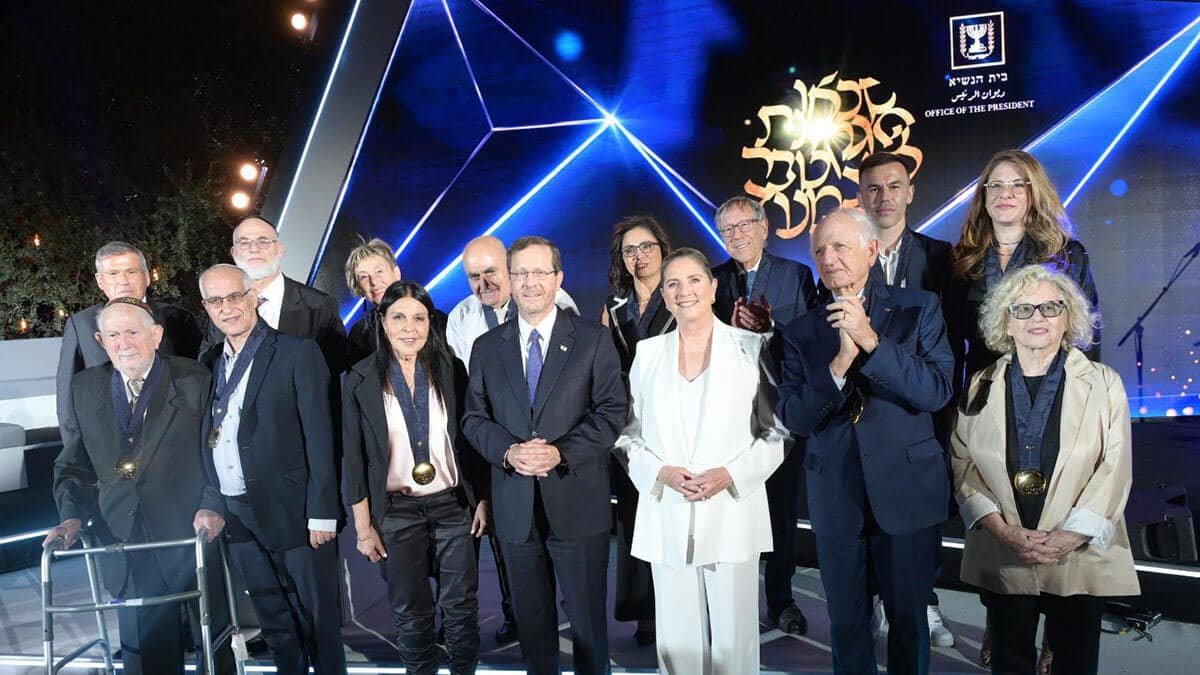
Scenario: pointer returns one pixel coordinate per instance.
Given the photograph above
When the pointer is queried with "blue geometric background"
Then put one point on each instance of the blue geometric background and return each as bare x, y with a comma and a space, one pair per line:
516, 118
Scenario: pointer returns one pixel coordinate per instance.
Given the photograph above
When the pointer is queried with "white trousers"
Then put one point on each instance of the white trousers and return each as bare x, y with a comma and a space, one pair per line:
706, 618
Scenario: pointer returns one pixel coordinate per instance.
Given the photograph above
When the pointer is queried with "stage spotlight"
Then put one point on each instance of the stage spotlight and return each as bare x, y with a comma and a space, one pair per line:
299, 21
239, 200
820, 130
568, 45
248, 172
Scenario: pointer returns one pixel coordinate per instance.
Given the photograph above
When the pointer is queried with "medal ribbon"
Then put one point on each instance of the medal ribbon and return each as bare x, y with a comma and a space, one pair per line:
1031, 416
225, 386
415, 406
129, 422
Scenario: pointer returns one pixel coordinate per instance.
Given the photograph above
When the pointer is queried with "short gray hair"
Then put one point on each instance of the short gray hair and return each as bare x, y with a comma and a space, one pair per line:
115, 248
247, 282
739, 201
867, 230
148, 320
1082, 320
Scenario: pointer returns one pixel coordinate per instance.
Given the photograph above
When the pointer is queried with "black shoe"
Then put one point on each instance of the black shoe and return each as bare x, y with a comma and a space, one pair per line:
792, 621
644, 635
506, 633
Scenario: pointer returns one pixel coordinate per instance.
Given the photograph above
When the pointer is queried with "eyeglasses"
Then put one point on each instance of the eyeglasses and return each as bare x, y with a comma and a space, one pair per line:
216, 302
532, 275
999, 187
646, 247
1048, 309
742, 226
262, 242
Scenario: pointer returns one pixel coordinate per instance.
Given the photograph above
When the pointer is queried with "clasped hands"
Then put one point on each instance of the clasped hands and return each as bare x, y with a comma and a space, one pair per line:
849, 317
693, 486
1033, 547
534, 457
751, 315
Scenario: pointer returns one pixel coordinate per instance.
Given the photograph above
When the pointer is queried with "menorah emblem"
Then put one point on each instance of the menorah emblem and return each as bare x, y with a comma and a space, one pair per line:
977, 32
977, 40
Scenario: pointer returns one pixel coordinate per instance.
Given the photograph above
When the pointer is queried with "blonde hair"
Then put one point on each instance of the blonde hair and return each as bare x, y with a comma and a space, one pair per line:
1082, 321
1045, 221
367, 249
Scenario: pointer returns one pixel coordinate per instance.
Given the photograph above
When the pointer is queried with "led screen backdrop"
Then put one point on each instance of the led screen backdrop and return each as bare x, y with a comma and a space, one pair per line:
558, 119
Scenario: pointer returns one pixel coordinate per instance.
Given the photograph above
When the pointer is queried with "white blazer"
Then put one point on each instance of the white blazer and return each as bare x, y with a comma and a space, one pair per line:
738, 431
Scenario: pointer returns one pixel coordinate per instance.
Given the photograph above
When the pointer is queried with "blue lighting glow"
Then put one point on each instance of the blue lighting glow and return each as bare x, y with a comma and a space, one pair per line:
1118, 188
568, 45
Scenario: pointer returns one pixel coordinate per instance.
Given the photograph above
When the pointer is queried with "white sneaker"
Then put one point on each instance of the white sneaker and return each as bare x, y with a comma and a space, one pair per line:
879, 622
939, 634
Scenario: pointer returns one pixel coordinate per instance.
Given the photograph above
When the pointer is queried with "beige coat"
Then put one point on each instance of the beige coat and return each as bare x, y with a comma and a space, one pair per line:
1089, 486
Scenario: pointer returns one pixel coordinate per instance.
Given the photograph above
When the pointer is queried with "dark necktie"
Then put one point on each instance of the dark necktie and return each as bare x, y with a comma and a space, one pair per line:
533, 366
489, 315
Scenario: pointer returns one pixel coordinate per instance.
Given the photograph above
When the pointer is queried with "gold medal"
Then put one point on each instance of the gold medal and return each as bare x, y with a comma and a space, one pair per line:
213, 437
126, 468
1030, 483
424, 473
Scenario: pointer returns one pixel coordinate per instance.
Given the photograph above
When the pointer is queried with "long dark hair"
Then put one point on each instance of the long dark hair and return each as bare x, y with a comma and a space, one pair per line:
619, 278
435, 355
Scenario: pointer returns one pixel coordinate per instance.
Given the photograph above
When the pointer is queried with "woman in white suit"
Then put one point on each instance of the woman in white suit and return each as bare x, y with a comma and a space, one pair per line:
702, 440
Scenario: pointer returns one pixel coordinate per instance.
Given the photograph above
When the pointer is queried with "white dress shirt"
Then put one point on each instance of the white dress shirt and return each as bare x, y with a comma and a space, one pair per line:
466, 322
890, 262
271, 302
544, 328
226, 458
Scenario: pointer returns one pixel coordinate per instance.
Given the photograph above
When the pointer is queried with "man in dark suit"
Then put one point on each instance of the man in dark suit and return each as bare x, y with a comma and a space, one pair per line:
544, 406
761, 292
861, 379
269, 451
285, 304
121, 272
907, 259
130, 463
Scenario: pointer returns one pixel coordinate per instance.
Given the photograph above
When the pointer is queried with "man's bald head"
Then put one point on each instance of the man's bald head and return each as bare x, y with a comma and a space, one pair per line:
485, 262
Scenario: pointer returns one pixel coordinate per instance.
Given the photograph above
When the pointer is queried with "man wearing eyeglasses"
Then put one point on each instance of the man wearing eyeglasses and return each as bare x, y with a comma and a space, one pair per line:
286, 304
546, 402
761, 292
268, 446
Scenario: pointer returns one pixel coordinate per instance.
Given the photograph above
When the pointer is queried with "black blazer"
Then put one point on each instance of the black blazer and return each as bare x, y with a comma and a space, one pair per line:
787, 284
624, 330
181, 337
285, 438
365, 439
580, 408
306, 313
170, 478
964, 298
907, 378
925, 263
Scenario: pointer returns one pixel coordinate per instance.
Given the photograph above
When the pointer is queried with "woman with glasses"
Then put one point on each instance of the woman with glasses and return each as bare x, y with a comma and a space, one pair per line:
1015, 219
634, 311
416, 489
1042, 471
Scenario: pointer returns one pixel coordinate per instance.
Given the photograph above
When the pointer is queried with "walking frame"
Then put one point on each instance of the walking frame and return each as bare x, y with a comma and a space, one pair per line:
55, 550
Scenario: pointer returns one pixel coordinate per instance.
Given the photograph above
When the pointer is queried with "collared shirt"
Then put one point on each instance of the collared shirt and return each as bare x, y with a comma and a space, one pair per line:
890, 262
226, 457
125, 381
400, 456
271, 299
544, 328
466, 322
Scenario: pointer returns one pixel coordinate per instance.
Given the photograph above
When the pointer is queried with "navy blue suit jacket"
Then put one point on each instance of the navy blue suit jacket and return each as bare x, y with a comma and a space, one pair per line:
787, 284
580, 408
285, 439
906, 378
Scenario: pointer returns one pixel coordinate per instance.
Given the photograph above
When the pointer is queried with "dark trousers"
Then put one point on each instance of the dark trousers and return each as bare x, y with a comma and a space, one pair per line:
501, 568
1072, 624
294, 592
581, 565
635, 587
903, 566
412, 528
152, 639
783, 500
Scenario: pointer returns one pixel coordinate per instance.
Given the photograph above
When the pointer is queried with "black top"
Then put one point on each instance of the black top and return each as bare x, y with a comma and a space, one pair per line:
1030, 507
628, 329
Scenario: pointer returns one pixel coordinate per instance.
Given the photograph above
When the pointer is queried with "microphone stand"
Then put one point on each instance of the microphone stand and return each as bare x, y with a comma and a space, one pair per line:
1138, 327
